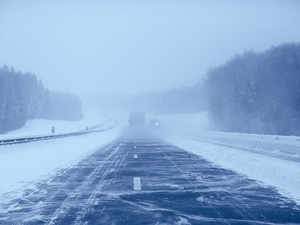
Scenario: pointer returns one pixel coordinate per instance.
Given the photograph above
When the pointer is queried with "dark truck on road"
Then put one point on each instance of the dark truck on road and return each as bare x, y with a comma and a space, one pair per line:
137, 119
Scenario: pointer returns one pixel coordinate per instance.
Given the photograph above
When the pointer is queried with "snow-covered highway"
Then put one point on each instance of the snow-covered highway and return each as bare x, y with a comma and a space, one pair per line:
133, 181
177, 175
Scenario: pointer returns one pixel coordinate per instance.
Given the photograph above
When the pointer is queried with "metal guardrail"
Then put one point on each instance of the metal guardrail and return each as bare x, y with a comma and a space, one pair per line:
22, 140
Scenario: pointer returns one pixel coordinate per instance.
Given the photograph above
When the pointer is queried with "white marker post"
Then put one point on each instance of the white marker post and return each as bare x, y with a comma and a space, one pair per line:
137, 184
135, 156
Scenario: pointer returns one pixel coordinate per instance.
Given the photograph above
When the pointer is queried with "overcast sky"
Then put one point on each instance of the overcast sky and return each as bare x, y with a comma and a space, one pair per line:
95, 47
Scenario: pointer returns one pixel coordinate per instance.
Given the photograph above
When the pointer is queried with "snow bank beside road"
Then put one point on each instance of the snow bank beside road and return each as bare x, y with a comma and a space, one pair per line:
43, 127
282, 174
24, 164
270, 159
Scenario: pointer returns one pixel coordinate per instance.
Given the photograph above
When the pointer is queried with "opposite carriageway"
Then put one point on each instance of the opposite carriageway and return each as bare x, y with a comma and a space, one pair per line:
107, 125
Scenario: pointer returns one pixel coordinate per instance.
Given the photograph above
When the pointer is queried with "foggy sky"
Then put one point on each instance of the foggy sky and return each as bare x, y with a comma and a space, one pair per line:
94, 47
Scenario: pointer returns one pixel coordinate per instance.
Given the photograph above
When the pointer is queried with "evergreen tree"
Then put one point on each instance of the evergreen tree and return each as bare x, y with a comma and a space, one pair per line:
23, 97
257, 92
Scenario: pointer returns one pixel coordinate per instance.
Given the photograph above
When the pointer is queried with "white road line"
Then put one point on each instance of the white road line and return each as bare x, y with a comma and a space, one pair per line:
135, 156
137, 184
134, 147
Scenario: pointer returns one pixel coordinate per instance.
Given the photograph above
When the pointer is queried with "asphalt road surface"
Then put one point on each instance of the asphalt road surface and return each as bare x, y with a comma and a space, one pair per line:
149, 182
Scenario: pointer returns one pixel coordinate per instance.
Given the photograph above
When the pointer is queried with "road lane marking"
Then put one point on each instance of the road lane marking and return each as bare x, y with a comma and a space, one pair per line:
134, 147
135, 156
137, 184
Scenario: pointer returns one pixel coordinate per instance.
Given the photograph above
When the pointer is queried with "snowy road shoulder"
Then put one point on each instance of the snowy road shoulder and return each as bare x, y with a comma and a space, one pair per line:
281, 174
24, 164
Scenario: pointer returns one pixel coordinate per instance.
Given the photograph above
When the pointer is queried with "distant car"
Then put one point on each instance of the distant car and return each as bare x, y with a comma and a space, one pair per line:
155, 123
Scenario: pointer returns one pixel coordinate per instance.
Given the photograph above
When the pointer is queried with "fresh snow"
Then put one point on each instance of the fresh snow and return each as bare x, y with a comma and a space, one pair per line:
22, 165
270, 159
43, 127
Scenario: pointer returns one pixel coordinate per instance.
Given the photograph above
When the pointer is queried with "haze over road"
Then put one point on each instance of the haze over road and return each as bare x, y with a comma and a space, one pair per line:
123, 47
